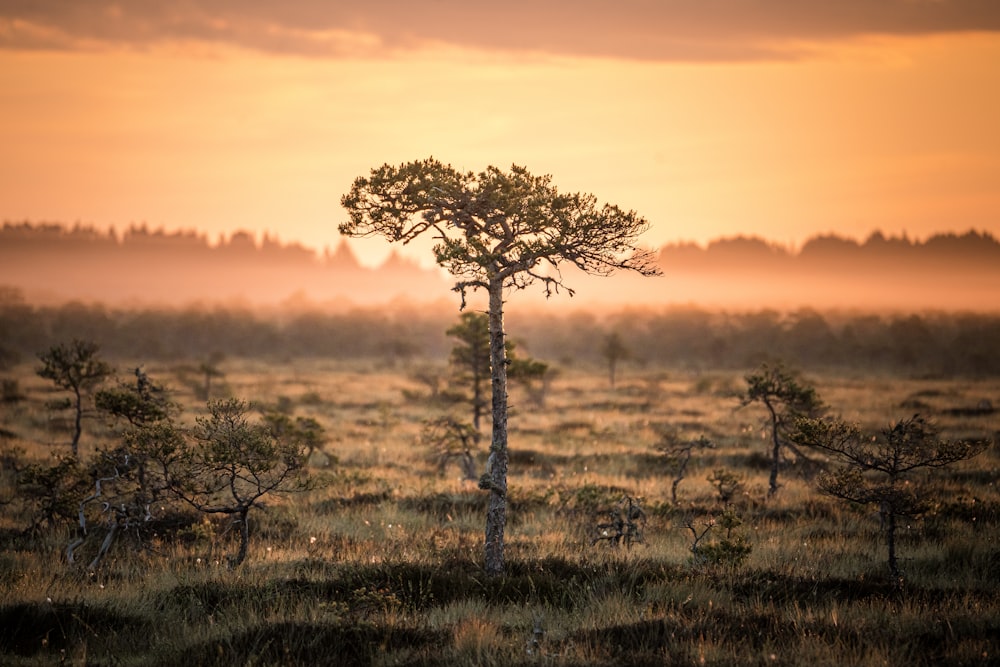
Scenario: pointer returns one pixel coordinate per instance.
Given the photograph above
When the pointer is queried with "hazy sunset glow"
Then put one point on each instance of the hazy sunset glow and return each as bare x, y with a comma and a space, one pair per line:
220, 116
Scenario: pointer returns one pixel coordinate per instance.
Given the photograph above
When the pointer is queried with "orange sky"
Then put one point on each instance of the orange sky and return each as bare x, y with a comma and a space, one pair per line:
775, 118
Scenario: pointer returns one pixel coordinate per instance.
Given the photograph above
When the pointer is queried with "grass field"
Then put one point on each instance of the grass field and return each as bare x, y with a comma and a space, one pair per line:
383, 564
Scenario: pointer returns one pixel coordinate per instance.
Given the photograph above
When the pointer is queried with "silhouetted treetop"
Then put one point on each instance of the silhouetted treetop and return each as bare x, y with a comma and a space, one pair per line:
505, 225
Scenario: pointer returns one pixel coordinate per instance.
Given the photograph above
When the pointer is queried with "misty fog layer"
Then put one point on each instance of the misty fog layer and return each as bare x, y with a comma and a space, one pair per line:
54, 264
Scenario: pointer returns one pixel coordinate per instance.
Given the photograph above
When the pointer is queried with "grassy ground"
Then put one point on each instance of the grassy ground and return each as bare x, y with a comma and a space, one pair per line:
383, 565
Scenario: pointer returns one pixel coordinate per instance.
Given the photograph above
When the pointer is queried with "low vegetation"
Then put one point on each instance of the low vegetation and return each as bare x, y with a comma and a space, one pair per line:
611, 560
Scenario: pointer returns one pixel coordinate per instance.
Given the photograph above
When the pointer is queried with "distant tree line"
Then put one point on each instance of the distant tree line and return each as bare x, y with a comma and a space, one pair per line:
969, 249
972, 247
56, 265
924, 344
140, 239
53, 263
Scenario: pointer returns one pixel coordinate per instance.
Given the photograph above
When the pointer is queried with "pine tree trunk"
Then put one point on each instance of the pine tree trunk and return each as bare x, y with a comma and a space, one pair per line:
477, 399
496, 514
775, 452
241, 555
890, 539
78, 424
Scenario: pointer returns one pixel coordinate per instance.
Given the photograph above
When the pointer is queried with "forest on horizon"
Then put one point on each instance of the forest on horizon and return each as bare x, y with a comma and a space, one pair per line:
53, 263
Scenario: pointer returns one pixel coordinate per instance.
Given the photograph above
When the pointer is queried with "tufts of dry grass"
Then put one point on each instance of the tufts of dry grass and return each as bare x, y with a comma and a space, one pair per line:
382, 564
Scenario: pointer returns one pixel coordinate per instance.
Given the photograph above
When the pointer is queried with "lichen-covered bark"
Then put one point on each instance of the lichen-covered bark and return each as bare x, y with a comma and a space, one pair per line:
496, 514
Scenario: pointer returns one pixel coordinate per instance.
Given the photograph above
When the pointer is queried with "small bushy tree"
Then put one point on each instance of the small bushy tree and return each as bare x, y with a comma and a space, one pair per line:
677, 454
230, 463
786, 398
730, 549
727, 484
614, 351
126, 481
297, 431
210, 369
52, 492
451, 440
137, 403
78, 368
470, 360
226, 464
535, 376
876, 469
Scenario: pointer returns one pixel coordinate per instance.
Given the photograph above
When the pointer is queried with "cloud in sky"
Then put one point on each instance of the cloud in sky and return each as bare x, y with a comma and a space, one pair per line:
668, 30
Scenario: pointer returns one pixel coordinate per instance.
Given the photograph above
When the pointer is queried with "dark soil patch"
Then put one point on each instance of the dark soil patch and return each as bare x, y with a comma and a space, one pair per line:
782, 589
313, 643
28, 629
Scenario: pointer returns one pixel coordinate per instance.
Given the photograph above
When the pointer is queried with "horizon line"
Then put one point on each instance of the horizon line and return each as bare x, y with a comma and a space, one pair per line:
261, 237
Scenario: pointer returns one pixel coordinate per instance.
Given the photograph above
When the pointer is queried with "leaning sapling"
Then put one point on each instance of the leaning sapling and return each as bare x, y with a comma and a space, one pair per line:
786, 398
677, 454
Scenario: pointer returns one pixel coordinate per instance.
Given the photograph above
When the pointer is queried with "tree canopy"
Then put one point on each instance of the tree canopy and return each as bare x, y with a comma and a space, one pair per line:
509, 226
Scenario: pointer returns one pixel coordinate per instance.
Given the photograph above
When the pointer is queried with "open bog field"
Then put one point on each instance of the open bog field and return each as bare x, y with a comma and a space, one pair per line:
382, 564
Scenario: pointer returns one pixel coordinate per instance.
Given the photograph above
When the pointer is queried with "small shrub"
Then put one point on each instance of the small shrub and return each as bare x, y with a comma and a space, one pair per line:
786, 398
727, 484
730, 550
677, 454
625, 525
53, 492
449, 439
